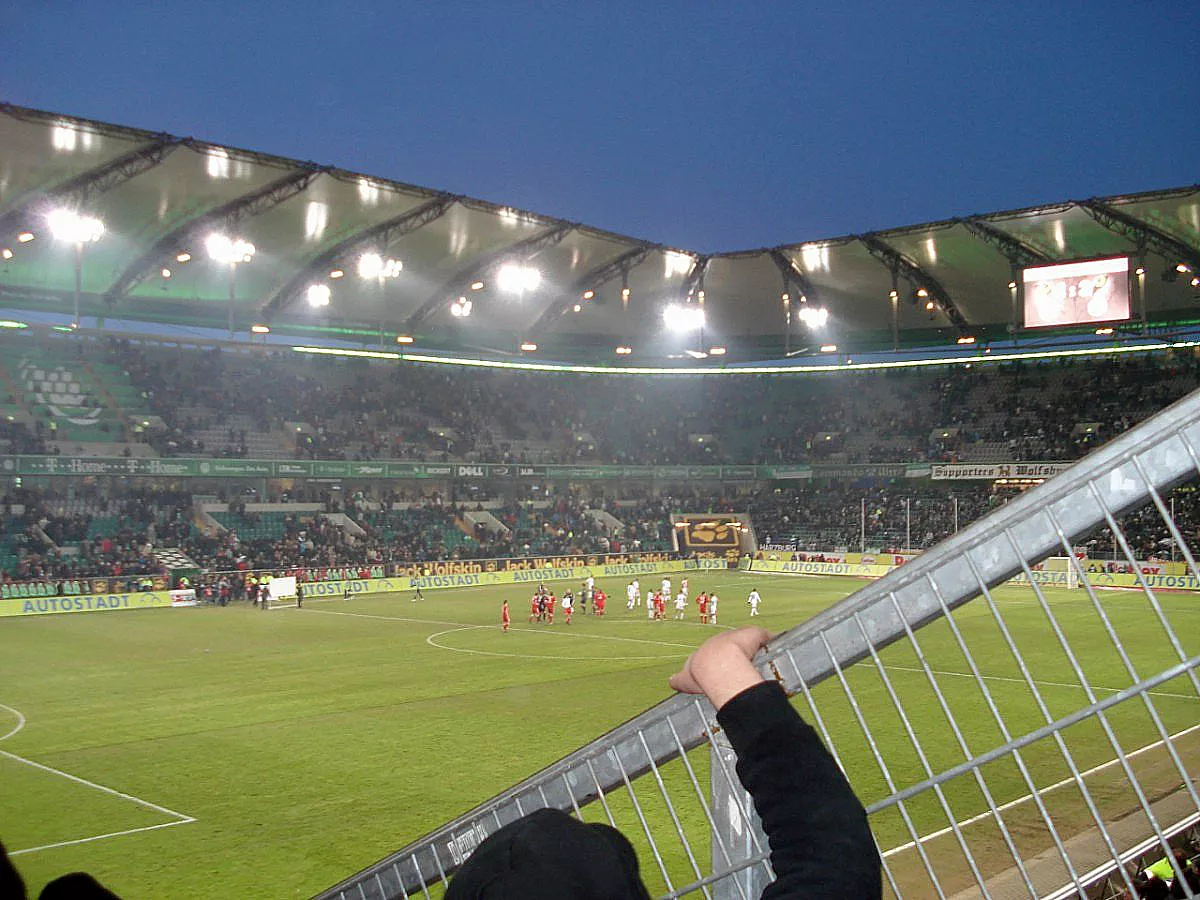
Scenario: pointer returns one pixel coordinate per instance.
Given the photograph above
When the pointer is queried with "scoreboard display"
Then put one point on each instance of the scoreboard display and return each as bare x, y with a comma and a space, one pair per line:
1077, 293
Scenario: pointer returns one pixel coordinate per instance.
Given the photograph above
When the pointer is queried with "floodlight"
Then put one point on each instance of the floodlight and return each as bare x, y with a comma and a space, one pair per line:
577, 307
624, 351
25, 237
514, 279
404, 339
922, 293
588, 295
814, 316
716, 351
460, 308
336, 273
68, 225
6, 253
829, 348
966, 340
477, 285
528, 346
929, 306
166, 273
1104, 331
224, 249
1182, 268
183, 257
372, 265
683, 317
318, 295
260, 329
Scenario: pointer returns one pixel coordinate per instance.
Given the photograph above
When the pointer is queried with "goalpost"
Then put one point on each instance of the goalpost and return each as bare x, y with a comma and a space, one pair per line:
1064, 567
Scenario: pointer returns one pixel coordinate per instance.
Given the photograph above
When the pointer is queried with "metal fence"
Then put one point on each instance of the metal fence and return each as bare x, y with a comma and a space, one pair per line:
1009, 737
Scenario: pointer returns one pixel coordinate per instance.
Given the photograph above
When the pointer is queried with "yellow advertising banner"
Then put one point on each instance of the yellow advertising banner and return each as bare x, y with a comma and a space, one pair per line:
40, 606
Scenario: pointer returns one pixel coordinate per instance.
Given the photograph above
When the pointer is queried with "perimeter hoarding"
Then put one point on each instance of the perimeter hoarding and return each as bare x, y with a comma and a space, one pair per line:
189, 467
41, 606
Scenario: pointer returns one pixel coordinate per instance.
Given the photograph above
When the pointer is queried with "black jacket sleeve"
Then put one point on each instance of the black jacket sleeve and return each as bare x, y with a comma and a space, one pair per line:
821, 846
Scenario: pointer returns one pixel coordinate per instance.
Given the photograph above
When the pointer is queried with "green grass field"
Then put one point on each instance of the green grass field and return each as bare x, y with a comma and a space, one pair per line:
237, 753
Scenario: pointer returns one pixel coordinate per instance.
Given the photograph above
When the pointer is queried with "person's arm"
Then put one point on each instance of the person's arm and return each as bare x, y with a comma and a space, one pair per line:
821, 845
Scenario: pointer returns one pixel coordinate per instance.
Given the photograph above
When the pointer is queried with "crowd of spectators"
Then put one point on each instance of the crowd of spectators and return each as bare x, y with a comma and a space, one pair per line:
46, 538
365, 410
58, 539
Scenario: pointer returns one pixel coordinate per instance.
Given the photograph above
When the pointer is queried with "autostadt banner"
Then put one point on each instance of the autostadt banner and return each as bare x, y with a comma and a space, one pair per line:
992, 471
68, 466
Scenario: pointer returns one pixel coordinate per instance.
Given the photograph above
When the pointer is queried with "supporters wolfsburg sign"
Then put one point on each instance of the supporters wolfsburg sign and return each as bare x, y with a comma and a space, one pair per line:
387, 469
990, 471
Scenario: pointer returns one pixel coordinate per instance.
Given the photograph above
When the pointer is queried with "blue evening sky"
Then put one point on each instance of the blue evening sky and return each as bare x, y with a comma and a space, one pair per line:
709, 126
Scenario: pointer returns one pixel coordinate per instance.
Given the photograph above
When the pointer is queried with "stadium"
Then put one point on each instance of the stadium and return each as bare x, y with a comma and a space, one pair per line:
281, 438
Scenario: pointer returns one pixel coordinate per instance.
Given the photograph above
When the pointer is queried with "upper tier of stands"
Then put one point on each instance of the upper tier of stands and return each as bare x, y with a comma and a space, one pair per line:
283, 405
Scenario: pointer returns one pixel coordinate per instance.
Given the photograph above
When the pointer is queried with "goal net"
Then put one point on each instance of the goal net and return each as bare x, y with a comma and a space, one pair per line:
1064, 571
282, 592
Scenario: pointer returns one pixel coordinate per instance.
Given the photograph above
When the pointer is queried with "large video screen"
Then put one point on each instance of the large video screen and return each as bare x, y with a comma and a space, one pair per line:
1078, 293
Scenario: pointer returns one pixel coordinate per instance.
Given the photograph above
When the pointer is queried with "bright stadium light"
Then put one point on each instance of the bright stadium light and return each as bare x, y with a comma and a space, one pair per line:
814, 316
460, 308
318, 295
514, 279
528, 346
224, 249
69, 226
683, 317
372, 265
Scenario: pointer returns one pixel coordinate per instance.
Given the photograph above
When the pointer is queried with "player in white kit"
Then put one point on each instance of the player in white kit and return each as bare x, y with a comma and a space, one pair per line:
712, 609
637, 591
754, 599
681, 602
631, 595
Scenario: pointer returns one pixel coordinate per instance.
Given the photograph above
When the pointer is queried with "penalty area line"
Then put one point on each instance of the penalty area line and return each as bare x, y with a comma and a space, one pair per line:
101, 837
99, 787
179, 818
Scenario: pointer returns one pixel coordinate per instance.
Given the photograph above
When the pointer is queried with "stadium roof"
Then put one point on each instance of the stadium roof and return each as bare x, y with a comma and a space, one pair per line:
160, 197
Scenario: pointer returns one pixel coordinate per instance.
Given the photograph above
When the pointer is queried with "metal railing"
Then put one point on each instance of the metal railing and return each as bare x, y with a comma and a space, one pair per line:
1014, 746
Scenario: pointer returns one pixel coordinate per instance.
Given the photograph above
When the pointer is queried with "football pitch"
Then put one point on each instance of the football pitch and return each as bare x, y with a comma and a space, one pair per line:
238, 753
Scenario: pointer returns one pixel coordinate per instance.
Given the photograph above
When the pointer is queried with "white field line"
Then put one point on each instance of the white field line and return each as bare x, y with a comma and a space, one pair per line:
521, 629
20, 721
180, 818
1040, 792
1062, 684
101, 837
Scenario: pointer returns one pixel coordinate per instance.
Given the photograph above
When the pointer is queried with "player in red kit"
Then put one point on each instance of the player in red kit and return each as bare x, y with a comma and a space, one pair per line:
598, 602
534, 607
702, 602
504, 618
550, 601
